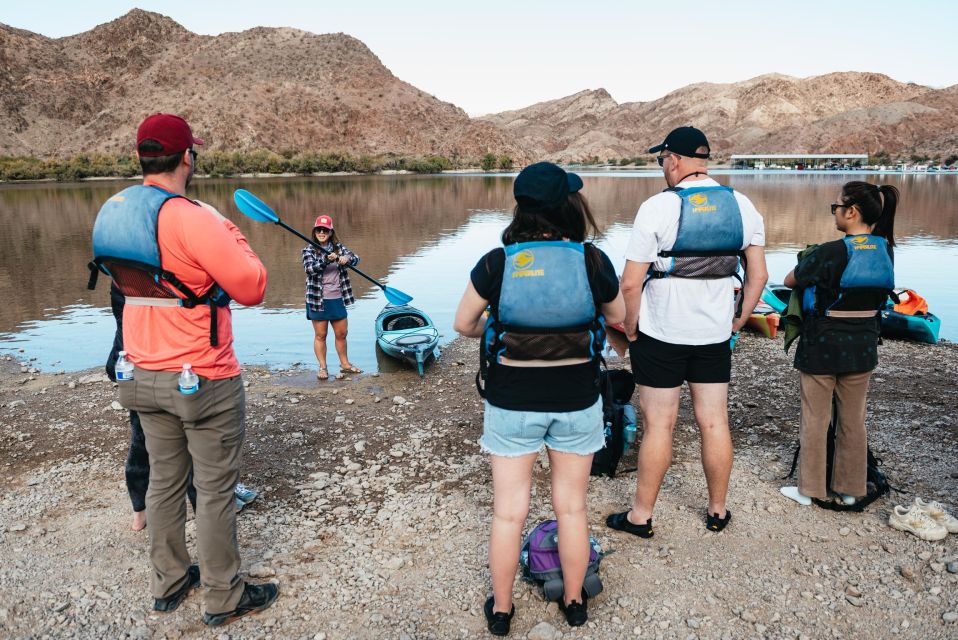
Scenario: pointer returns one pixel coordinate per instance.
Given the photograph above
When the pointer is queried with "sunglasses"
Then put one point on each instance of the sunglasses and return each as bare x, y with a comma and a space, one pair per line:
193, 155
661, 159
324, 231
836, 207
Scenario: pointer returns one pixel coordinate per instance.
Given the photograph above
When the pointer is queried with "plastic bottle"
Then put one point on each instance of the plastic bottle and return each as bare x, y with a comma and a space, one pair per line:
629, 433
123, 368
189, 382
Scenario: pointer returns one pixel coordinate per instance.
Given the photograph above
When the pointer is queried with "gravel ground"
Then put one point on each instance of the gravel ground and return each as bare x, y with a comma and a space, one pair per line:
375, 507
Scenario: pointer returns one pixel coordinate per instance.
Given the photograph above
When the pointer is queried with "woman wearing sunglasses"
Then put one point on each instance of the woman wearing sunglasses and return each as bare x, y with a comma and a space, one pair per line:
845, 284
328, 291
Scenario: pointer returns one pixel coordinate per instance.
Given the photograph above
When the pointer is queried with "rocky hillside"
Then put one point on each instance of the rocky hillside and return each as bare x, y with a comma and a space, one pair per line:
837, 112
289, 90
263, 88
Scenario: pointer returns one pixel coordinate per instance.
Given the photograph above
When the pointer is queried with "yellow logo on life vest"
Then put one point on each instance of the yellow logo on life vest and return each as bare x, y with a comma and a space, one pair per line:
698, 199
521, 262
859, 242
700, 203
523, 259
117, 198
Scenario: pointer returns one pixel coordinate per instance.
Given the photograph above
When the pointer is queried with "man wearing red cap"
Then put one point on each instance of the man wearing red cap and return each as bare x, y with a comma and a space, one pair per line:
178, 271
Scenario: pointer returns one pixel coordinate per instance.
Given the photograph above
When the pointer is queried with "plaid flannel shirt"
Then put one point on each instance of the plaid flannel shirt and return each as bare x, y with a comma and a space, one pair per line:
314, 263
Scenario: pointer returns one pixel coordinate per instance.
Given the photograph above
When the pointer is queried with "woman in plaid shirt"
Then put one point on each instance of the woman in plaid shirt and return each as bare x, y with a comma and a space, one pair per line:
328, 291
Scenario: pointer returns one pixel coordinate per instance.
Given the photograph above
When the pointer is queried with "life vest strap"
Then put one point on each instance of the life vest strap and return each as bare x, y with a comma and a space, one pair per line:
139, 301
94, 275
850, 314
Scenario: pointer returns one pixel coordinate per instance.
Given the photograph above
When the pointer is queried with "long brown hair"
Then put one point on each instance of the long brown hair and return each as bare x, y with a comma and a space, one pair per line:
570, 219
333, 238
877, 205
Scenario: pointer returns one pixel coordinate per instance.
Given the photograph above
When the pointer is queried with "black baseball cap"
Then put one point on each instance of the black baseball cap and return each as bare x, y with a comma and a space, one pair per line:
545, 183
684, 141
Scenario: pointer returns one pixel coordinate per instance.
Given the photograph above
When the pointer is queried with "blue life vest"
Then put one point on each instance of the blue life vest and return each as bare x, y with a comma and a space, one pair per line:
546, 310
708, 243
125, 247
869, 267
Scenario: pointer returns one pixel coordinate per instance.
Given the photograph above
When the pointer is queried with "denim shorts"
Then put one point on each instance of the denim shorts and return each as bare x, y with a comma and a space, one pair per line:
511, 433
333, 309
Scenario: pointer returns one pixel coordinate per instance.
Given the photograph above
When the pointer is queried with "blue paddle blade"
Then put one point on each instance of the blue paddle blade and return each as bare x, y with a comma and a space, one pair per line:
769, 298
396, 297
253, 207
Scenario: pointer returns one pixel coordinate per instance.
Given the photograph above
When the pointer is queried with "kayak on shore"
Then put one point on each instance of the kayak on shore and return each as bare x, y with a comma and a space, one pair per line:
408, 335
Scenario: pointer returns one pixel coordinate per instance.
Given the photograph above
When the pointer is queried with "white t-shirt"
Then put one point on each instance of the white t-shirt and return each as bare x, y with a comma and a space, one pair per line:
685, 310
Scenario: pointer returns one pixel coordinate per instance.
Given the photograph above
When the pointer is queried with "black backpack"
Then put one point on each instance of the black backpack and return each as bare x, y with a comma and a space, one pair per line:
876, 481
617, 387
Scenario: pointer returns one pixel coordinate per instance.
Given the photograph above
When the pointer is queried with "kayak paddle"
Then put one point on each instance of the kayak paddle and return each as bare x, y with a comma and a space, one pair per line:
258, 210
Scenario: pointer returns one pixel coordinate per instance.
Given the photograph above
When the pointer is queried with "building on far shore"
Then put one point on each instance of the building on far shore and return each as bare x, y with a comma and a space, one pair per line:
798, 160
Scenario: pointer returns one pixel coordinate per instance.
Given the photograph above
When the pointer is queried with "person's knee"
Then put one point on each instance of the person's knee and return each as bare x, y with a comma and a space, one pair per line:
714, 427
341, 333
511, 515
321, 336
568, 509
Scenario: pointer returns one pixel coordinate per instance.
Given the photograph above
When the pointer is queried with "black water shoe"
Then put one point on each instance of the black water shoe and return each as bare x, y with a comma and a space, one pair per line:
256, 597
576, 613
716, 524
498, 621
171, 602
620, 522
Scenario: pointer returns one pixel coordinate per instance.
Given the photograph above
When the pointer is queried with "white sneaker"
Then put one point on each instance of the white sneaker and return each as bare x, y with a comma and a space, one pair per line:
794, 494
916, 522
937, 512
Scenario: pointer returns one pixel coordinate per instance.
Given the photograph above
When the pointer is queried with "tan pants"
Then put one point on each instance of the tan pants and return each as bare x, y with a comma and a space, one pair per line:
204, 429
850, 462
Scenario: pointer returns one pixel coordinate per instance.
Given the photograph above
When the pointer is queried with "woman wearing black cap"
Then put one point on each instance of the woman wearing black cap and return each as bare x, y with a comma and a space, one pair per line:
547, 290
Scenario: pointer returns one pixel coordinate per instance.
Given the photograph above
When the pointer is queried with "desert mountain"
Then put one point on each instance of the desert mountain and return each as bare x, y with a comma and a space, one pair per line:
264, 88
285, 89
839, 112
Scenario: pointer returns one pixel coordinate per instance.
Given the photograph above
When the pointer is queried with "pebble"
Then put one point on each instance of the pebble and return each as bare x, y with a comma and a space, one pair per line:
907, 572
852, 600
350, 401
261, 570
399, 400
844, 531
19, 526
950, 616
116, 406
953, 567
543, 631
853, 592
925, 555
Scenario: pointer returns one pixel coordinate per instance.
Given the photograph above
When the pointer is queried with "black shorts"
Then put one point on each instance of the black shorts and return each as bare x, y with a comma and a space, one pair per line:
665, 365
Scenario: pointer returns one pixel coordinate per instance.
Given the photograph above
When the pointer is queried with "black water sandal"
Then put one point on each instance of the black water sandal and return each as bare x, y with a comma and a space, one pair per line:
497, 621
620, 522
716, 524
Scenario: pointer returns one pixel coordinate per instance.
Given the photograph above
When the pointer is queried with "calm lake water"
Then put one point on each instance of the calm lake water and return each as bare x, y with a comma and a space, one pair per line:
421, 234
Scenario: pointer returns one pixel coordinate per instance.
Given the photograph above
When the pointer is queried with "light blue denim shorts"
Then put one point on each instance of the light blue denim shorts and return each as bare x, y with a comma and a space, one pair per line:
517, 433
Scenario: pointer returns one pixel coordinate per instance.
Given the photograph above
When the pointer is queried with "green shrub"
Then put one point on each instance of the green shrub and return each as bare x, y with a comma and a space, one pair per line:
488, 162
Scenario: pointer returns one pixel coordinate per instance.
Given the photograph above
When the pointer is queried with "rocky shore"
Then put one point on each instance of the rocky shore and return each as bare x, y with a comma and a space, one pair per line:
375, 506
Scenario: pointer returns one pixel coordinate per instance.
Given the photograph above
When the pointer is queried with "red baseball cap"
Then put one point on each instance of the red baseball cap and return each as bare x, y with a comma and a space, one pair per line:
170, 131
324, 221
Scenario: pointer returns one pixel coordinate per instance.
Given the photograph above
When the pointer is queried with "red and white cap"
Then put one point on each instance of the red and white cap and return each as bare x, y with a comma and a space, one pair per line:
324, 221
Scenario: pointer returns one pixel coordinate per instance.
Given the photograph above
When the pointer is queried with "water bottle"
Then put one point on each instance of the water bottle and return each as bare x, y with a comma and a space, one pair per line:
629, 433
123, 368
732, 341
189, 382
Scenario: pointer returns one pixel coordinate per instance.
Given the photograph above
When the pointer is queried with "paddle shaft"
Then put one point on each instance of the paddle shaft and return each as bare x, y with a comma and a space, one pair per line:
324, 252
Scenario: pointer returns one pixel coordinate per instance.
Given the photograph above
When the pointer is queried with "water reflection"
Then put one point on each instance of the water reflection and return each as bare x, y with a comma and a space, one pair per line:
421, 234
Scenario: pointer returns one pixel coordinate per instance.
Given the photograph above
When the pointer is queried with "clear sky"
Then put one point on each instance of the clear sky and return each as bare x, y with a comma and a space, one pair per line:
492, 55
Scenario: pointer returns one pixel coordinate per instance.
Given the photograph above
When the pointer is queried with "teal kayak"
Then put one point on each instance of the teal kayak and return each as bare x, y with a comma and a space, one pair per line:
408, 335
920, 327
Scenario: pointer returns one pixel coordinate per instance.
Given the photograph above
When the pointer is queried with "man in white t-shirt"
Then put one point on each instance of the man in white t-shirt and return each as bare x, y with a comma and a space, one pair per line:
681, 311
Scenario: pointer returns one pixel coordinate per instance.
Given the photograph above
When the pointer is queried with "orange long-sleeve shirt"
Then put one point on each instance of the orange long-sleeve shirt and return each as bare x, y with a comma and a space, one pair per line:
200, 247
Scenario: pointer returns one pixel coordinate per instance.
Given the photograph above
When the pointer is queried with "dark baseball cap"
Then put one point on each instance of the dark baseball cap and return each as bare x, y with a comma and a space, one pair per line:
171, 132
684, 141
545, 183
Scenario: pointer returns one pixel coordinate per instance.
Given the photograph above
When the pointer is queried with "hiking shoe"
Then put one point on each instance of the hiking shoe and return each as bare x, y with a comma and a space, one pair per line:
716, 524
621, 522
256, 597
916, 522
171, 602
576, 613
497, 621
244, 493
937, 512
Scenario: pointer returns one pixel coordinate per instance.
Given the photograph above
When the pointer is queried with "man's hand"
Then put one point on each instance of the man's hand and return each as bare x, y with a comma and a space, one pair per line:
738, 323
633, 278
332, 257
343, 260
631, 326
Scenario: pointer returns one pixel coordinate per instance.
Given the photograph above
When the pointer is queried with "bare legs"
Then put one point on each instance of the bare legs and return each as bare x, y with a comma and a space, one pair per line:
511, 486
340, 330
660, 409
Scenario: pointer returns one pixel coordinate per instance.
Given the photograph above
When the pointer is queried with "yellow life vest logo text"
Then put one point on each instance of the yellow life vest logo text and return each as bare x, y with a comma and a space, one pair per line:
859, 242
700, 203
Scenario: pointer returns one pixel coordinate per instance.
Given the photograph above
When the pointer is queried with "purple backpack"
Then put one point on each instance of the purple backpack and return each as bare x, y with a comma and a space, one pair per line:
539, 557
